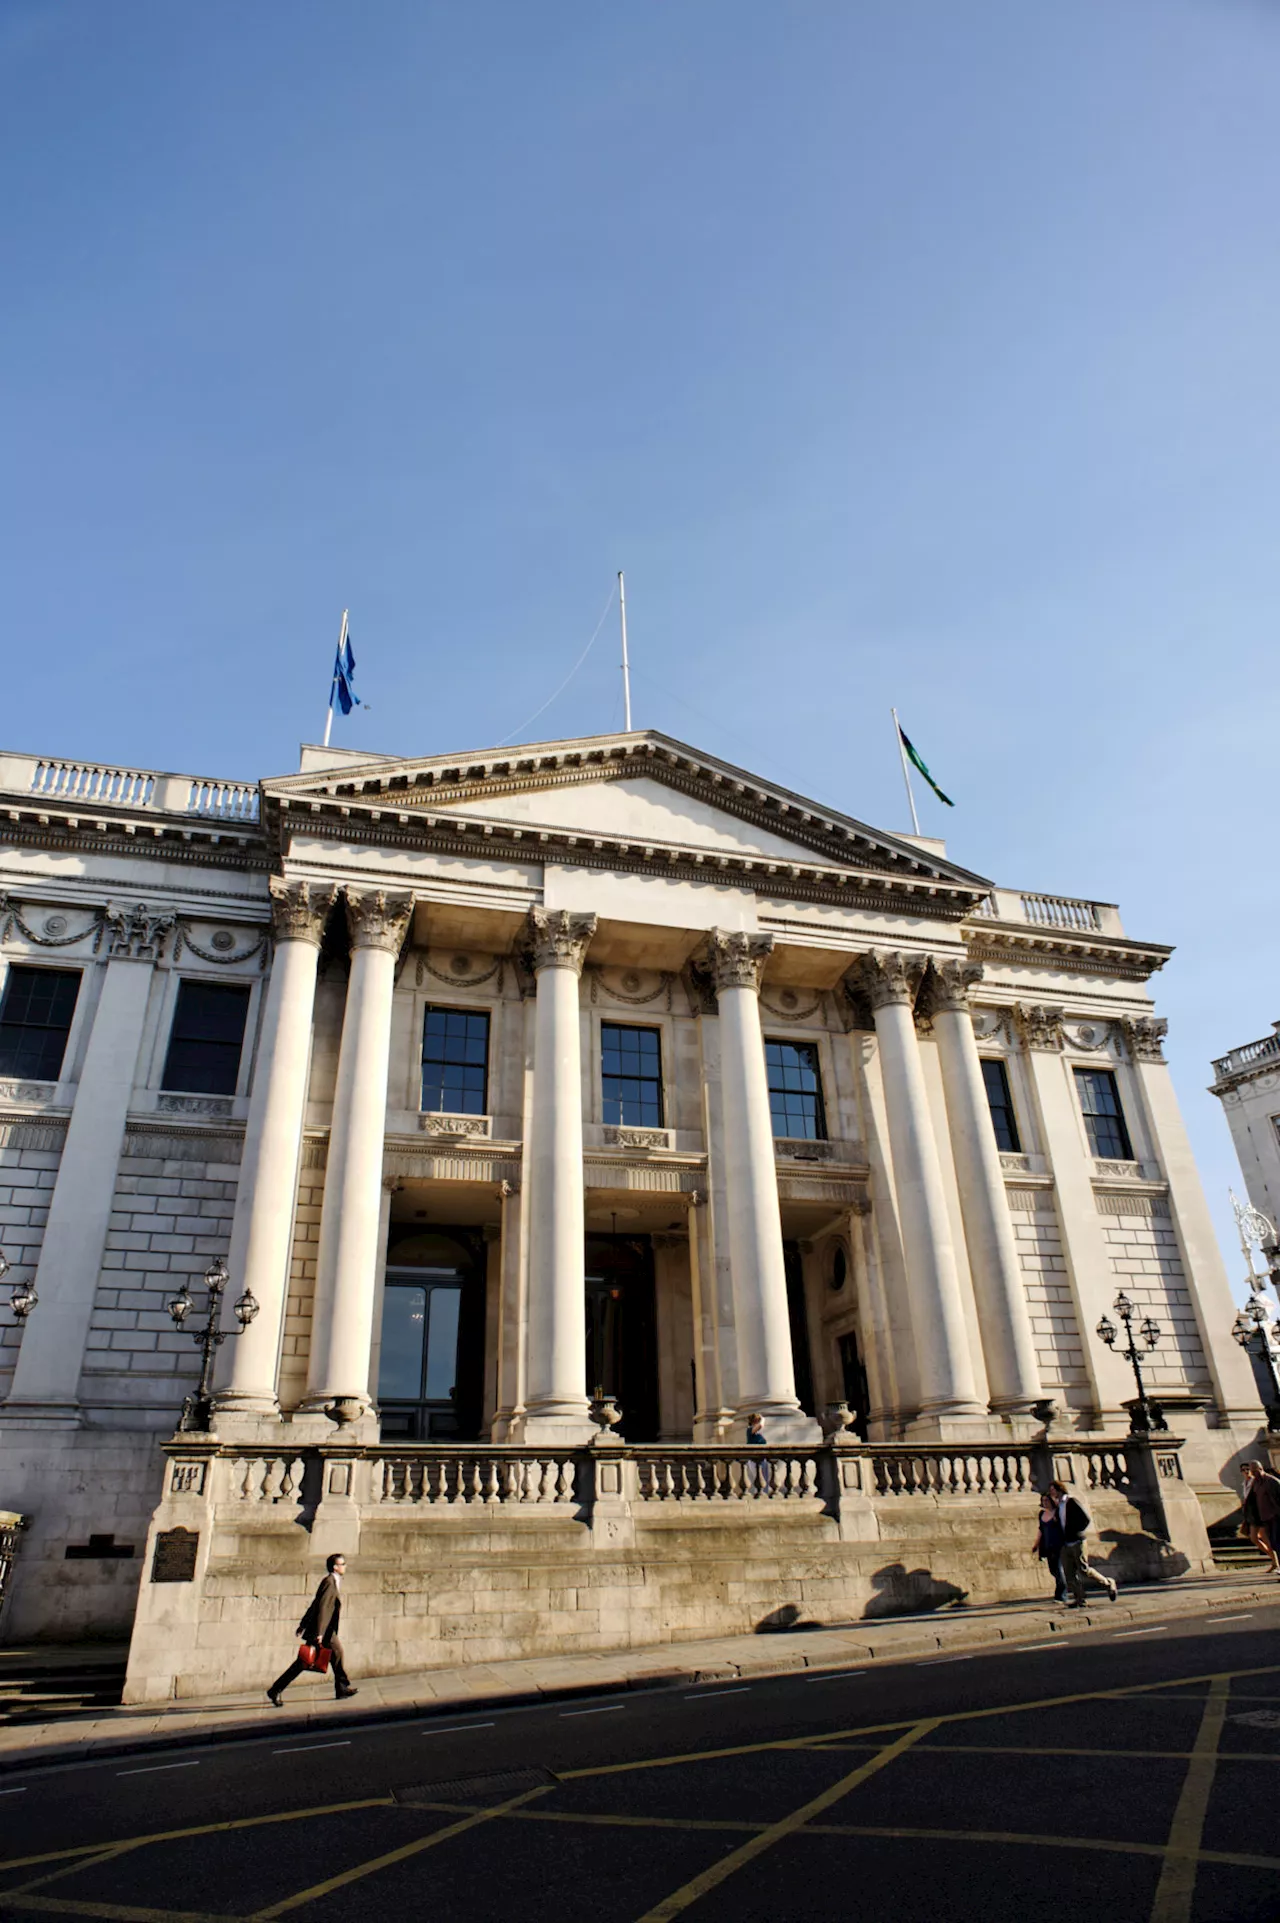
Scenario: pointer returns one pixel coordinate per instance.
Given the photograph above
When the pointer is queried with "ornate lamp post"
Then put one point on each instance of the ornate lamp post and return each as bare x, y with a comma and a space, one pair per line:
24, 1297
1256, 1231
1252, 1330
197, 1410
1144, 1414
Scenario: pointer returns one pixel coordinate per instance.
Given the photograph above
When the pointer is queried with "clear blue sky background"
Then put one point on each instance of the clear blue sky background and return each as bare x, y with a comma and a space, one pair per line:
901, 351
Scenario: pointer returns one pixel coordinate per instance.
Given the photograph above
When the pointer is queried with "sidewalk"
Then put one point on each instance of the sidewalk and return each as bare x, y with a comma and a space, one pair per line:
78, 1735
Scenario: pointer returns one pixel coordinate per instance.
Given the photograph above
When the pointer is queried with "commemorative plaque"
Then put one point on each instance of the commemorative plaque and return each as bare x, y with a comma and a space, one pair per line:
175, 1555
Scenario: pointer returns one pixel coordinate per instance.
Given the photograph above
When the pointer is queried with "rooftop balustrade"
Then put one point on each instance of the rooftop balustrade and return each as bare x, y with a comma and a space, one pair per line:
95, 782
1251, 1055
1070, 913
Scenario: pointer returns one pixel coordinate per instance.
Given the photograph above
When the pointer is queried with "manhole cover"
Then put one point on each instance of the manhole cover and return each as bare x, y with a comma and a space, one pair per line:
1260, 1718
495, 1787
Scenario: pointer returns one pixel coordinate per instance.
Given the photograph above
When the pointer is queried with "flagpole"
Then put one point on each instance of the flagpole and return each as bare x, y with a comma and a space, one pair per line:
626, 665
906, 772
328, 720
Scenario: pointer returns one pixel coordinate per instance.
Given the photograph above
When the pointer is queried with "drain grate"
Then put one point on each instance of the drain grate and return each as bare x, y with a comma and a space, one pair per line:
494, 1787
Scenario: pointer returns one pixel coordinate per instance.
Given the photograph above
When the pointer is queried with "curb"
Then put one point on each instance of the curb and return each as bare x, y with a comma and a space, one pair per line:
881, 1650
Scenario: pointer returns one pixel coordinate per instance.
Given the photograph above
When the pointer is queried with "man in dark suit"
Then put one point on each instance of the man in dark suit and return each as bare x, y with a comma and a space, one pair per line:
319, 1627
1076, 1522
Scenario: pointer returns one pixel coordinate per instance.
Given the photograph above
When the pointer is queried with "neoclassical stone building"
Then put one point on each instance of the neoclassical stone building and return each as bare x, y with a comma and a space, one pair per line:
510, 1081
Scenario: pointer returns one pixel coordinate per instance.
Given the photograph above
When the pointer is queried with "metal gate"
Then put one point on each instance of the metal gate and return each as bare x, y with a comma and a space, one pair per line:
11, 1528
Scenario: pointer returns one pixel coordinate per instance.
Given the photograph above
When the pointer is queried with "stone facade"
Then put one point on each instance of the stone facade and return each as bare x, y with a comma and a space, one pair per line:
813, 1207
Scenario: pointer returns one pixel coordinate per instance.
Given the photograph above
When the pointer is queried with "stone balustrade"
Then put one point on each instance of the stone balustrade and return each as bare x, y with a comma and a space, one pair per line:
744, 1476
442, 1477
142, 788
940, 1471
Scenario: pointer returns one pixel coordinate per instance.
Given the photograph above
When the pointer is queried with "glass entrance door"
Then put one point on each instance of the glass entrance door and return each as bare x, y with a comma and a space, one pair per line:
432, 1356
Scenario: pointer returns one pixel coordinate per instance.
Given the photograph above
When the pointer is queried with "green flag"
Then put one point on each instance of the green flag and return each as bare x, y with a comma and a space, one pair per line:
916, 763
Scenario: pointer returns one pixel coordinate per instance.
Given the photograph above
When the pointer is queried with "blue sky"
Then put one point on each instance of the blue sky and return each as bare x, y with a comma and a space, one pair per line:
900, 351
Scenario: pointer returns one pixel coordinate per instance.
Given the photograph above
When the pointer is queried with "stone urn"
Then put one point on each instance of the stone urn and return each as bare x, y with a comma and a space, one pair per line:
344, 1409
837, 1421
605, 1413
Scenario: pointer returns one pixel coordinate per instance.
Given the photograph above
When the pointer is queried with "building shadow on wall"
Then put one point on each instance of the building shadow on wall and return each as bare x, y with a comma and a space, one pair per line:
909, 1592
1136, 1556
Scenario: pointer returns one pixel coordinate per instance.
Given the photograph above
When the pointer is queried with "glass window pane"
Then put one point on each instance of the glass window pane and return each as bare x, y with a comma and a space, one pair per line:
442, 1344
631, 1075
35, 1019
404, 1326
795, 1090
455, 1058
1103, 1116
206, 1038
1000, 1102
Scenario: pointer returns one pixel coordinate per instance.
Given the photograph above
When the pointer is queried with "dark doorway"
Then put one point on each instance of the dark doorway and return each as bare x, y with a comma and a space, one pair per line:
854, 1383
622, 1358
431, 1364
797, 1310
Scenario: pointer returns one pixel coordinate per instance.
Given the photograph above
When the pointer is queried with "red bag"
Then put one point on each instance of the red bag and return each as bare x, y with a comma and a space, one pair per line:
314, 1656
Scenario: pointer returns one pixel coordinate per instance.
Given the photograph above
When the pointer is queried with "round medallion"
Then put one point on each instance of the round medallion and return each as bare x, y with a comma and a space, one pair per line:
223, 940
631, 982
55, 924
460, 964
789, 999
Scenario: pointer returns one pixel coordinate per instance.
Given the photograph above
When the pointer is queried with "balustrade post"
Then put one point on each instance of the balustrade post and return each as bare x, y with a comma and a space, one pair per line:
613, 1488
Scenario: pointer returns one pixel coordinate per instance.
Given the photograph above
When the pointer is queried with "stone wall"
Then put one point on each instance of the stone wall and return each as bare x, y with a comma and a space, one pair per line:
1148, 1267
29, 1156
1059, 1349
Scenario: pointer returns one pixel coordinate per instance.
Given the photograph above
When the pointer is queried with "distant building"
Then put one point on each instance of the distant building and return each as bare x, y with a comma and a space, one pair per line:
1247, 1083
509, 1080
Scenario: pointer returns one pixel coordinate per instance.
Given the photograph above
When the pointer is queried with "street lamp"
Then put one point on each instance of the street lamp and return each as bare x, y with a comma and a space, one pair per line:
1252, 1330
24, 1297
1144, 1414
197, 1410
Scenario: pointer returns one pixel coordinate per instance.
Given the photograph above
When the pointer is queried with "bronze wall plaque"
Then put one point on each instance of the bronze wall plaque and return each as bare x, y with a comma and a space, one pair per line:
175, 1557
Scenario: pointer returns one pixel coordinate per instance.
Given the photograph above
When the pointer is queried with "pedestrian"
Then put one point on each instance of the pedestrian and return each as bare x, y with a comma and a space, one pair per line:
1076, 1569
319, 1630
1262, 1511
1048, 1545
756, 1437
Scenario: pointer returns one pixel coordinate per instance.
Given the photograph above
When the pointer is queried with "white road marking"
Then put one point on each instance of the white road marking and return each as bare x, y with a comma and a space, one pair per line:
601, 1710
300, 1748
1127, 1634
14, 1792
452, 1729
1230, 1619
701, 1695
151, 1768
840, 1676
934, 1662
1029, 1649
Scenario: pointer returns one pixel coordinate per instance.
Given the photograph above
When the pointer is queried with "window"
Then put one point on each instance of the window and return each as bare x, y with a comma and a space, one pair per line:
455, 1062
631, 1071
206, 1038
1103, 1116
35, 1018
795, 1090
1000, 1102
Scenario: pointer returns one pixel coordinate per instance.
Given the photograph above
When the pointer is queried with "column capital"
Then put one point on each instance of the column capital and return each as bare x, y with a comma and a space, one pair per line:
951, 983
556, 939
885, 976
736, 959
138, 933
1039, 1026
377, 919
299, 909
1145, 1035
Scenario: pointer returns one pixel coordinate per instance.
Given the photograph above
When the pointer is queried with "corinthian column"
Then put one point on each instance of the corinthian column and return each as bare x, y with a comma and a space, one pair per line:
556, 1392
262, 1228
1007, 1346
762, 1325
346, 1269
948, 1391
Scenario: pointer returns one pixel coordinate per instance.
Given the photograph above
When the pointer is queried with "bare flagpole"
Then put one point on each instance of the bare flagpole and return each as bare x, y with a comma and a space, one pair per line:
333, 685
626, 665
906, 772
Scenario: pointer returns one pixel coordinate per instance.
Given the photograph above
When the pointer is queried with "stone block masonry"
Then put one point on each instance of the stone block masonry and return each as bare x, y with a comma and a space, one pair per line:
1059, 1348
1148, 1267
29, 1157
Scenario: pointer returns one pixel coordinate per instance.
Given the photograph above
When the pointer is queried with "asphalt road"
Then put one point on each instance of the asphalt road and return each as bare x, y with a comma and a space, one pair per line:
1131, 1775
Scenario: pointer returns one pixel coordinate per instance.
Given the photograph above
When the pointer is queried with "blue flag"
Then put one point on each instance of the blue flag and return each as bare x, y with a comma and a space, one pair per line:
344, 669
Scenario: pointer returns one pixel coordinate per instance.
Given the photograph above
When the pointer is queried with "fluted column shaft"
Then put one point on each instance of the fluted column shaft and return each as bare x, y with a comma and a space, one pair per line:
555, 1394
762, 1325
347, 1265
948, 1389
262, 1227
1008, 1349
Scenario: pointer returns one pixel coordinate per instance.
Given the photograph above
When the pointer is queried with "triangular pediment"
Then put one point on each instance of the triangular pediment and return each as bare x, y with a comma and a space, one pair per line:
631, 791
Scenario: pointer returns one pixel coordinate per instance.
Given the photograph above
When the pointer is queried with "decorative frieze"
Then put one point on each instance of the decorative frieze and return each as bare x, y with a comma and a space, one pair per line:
138, 933
1145, 1035
299, 909
377, 919
736, 959
621, 1136
457, 1127
207, 1105
28, 1092
55, 931
557, 939
1039, 1026
222, 950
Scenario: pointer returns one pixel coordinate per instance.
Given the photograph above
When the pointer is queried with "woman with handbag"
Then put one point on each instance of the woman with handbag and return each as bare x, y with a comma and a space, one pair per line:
319, 1632
1048, 1544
